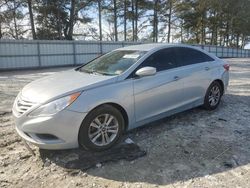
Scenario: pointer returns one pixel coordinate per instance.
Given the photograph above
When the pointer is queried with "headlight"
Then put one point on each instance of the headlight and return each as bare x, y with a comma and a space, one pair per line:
54, 106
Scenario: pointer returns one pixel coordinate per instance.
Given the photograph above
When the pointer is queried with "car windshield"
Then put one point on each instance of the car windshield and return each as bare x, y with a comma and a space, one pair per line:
114, 63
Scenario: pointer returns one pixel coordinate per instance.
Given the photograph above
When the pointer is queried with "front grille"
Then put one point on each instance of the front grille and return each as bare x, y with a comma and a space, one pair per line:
22, 106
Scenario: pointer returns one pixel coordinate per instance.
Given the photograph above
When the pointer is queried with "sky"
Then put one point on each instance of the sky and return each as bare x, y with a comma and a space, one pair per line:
247, 46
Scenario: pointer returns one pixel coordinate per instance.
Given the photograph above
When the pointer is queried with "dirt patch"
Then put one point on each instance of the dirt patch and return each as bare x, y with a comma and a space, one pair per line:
196, 148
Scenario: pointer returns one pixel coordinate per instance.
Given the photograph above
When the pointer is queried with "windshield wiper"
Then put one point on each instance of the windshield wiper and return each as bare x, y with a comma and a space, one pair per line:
96, 72
86, 71
106, 73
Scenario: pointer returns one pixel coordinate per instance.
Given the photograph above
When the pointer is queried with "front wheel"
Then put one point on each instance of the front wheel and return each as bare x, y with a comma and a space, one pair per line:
101, 128
213, 96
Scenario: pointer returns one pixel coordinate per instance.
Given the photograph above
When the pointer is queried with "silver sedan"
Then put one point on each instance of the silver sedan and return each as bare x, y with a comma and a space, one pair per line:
92, 105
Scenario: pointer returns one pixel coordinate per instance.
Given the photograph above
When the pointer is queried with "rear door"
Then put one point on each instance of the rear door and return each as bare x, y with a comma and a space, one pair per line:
197, 73
161, 92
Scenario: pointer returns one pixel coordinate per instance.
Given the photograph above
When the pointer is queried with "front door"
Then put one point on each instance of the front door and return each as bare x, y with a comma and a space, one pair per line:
161, 92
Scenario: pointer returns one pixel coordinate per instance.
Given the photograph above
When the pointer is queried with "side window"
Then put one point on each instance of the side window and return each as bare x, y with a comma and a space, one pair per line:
188, 56
161, 60
206, 57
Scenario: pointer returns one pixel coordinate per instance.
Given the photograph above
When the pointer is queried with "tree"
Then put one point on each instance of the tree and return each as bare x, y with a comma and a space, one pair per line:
100, 19
29, 2
115, 20
155, 21
125, 19
193, 13
68, 31
11, 19
166, 18
216, 22
56, 19
75, 8
51, 20
137, 9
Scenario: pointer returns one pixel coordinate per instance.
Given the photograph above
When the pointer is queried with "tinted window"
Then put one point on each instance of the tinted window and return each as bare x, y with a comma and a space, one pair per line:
188, 56
161, 60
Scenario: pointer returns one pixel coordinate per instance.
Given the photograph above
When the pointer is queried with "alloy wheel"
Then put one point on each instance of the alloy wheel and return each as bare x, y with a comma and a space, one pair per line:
214, 95
103, 129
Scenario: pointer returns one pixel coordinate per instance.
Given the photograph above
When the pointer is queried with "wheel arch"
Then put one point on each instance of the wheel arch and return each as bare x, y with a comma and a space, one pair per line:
221, 84
118, 107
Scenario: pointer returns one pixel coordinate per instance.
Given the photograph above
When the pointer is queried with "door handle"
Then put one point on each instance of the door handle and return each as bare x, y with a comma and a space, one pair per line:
176, 78
207, 68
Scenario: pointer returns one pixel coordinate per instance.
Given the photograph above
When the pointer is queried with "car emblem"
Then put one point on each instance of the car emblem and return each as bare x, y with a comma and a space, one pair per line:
18, 103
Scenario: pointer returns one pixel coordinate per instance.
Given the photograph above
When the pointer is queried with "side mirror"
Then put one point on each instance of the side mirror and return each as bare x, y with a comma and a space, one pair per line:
146, 71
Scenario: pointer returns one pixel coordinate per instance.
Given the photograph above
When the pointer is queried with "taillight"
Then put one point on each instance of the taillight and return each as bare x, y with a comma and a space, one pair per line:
226, 67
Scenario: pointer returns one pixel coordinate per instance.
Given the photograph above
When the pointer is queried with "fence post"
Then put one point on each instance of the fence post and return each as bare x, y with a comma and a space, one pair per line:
216, 50
227, 52
39, 54
74, 52
101, 50
222, 51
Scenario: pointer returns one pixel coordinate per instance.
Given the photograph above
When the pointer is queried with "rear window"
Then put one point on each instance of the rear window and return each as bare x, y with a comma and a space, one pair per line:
188, 56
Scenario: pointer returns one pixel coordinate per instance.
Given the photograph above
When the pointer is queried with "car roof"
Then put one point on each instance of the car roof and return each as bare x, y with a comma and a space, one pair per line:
152, 46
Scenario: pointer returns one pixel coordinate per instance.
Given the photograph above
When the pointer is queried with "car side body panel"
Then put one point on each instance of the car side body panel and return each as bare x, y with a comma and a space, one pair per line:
196, 79
120, 93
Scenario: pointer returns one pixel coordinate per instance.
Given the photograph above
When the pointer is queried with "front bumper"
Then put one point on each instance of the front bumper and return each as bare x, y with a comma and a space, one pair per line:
59, 131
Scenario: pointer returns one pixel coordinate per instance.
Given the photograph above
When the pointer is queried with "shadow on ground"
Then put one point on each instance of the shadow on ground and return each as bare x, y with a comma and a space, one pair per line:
81, 159
191, 144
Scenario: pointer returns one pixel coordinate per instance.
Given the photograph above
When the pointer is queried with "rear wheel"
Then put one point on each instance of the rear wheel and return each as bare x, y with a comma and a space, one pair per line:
101, 128
213, 96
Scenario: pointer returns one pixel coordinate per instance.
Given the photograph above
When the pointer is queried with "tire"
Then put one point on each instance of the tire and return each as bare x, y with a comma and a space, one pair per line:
213, 96
95, 134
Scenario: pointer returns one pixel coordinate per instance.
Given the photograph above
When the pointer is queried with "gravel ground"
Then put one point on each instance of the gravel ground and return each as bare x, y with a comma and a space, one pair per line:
195, 148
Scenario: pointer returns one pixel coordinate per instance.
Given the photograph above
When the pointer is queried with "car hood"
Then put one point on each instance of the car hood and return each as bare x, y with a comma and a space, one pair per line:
61, 84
